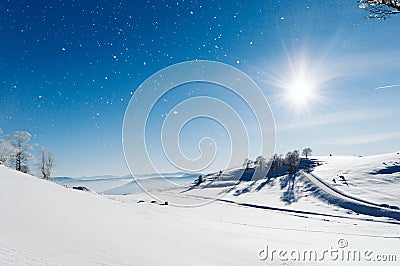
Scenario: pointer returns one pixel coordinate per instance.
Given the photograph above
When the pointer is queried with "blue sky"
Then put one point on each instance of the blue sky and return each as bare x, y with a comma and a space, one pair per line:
69, 68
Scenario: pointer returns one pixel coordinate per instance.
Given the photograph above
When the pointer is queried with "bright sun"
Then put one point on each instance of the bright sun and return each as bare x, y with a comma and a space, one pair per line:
301, 84
301, 90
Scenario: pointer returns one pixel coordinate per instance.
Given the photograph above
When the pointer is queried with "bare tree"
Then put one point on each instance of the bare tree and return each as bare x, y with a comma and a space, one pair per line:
46, 163
21, 144
380, 8
292, 159
306, 152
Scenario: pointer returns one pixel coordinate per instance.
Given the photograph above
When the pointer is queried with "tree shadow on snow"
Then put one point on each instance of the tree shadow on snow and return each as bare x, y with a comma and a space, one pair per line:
388, 170
288, 182
245, 190
308, 165
269, 181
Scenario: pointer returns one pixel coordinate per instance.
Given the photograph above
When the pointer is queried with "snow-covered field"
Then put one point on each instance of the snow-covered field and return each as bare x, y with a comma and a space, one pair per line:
374, 178
43, 223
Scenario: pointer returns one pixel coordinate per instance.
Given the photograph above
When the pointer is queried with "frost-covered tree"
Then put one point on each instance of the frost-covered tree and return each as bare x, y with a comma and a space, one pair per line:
46, 163
276, 162
21, 143
261, 162
292, 159
306, 152
247, 163
380, 8
6, 150
25, 169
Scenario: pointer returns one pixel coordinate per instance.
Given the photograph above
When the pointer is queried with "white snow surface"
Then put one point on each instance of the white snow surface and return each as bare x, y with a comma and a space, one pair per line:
373, 178
42, 223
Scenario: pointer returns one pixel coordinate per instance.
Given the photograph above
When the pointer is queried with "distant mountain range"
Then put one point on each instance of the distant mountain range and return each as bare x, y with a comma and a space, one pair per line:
108, 177
122, 184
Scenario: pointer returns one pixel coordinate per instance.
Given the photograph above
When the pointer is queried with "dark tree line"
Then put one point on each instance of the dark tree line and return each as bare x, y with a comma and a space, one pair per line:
290, 160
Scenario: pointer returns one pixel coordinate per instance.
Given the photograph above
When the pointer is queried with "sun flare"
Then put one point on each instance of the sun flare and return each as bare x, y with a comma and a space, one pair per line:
301, 90
301, 81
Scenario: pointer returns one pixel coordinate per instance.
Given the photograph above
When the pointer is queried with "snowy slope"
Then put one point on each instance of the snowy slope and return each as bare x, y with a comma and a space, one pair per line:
42, 223
372, 178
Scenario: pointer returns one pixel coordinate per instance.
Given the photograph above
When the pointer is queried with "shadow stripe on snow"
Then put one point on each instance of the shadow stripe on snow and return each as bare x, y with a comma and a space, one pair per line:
336, 197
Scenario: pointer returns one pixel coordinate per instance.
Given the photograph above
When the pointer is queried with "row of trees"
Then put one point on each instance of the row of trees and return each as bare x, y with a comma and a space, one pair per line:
291, 161
16, 152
